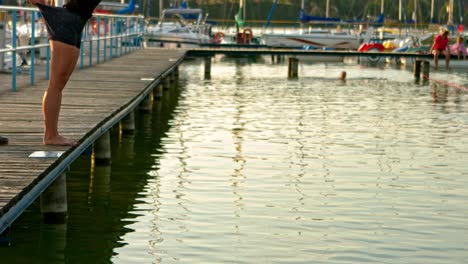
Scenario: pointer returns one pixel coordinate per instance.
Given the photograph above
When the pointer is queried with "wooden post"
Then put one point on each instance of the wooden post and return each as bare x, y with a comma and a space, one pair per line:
54, 202
426, 70
176, 73
293, 67
281, 58
128, 123
417, 70
167, 83
172, 77
158, 91
147, 104
102, 149
207, 68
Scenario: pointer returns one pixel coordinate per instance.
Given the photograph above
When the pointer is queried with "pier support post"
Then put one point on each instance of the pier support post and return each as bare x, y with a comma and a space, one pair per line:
128, 123
426, 70
158, 91
102, 149
54, 201
172, 77
2, 41
293, 67
166, 83
176, 73
417, 70
207, 68
147, 103
279, 58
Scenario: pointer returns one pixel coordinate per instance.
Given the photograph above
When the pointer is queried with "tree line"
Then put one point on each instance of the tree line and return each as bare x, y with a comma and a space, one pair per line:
288, 10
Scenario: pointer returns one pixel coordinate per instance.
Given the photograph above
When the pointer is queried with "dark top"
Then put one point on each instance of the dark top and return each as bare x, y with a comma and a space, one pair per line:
83, 8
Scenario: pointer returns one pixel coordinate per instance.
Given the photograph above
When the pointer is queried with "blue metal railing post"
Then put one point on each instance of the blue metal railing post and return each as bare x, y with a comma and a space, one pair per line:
13, 52
112, 37
90, 51
127, 36
98, 19
33, 49
121, 37
82, 52
48, 62
105, 38
142, 31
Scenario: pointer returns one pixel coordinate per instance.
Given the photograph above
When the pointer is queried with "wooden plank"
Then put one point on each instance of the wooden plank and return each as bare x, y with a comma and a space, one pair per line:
93, 94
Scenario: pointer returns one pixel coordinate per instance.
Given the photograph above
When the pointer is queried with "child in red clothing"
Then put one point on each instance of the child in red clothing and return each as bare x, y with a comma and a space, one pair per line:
441, 45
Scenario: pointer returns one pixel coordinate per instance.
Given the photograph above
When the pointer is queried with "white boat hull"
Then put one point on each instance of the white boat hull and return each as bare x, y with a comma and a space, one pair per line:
336, 41
170, 41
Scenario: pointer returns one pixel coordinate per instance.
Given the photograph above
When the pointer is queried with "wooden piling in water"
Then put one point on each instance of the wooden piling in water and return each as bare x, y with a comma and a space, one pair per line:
166, 83
207, 68
158, 91
426, 70
147, 104
128, 123
176, 73
417, 70
54, 201
102, 149
293, 67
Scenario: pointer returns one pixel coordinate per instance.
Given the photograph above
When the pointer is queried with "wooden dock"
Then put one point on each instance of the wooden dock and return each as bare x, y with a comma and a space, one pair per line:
94, 100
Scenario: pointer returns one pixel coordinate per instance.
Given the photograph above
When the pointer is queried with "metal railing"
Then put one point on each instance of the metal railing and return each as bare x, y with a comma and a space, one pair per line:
105, 36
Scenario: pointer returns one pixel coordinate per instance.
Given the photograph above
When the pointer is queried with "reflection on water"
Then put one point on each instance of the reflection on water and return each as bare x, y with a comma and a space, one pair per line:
249, 167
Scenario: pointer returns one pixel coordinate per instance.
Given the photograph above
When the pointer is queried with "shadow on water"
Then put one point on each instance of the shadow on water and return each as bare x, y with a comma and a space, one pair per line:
100, 198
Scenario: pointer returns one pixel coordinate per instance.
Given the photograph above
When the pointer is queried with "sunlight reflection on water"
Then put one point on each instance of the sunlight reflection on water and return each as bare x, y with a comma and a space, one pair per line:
260, 169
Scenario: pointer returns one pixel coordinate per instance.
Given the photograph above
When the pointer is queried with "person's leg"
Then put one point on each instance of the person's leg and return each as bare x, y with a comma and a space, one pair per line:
436, 58
447, 59
62, 64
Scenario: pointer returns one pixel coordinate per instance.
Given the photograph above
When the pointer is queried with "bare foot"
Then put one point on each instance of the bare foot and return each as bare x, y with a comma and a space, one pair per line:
60, 141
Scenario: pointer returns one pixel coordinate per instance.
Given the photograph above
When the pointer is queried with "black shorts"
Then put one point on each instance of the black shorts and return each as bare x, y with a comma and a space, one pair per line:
62, 25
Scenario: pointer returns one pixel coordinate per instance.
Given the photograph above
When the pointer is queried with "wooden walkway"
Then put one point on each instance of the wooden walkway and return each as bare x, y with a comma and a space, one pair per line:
94, 100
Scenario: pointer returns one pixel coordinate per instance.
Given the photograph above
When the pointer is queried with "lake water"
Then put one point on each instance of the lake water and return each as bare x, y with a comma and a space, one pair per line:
250, 167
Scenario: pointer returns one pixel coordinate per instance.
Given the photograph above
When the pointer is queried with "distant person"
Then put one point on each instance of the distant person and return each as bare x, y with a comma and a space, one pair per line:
65, 26
441, 45
3, 140
342, 76
459, 48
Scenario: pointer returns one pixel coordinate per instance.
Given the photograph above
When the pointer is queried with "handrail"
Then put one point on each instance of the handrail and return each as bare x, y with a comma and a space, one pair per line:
125, 36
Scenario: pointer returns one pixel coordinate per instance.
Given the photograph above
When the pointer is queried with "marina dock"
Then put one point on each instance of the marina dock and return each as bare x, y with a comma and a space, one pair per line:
95, 99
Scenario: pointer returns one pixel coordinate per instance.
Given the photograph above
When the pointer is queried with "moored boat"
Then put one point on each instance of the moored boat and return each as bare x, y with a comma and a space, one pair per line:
179, 28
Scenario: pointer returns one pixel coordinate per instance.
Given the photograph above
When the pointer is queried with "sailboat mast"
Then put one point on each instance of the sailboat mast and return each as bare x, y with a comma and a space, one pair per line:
160, 10
399, 10
243, 9
415, 12
382, 7
450, 13
327, 12
432, 11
